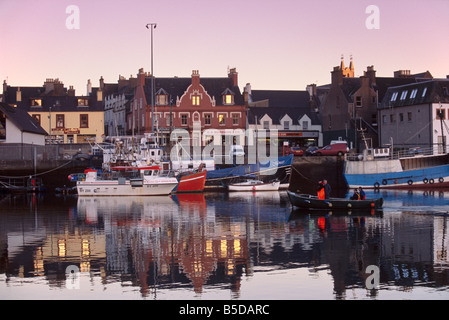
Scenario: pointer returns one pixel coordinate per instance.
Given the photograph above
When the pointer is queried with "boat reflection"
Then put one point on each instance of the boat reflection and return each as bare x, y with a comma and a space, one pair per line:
197, 245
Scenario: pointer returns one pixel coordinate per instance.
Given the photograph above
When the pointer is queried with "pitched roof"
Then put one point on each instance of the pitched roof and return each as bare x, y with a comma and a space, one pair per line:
176, 87
424, 92
21, 119
279, 103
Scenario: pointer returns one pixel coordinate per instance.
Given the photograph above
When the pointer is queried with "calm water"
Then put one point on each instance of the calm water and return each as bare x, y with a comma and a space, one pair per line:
221, 246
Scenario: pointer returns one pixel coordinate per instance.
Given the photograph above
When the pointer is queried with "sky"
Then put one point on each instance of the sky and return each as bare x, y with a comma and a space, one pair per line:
274, 45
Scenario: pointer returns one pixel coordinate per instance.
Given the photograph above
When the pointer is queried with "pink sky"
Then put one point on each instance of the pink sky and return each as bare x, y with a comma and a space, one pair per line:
282, 44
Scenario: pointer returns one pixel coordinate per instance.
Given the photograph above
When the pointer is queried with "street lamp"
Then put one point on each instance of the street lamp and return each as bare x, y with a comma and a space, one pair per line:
152, 26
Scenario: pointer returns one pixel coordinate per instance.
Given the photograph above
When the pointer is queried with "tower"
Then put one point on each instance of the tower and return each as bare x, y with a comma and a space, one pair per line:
347, 72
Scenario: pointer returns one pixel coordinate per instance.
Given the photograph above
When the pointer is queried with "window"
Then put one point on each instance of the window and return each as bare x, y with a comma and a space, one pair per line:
401, 117
305, 125
169, 120
37, 118
424, 92
358, 101
228, 99
392, 118
83, 102
413, 94
207, 119
36, 102
374, 119
441, 114
221, 119
404, 94
409, 116
2, 126
184, 119
235, 119
59, 121
196, 100
228, 96
162, 99
286, 125
384, 119
266, 125
394, 96
84, 121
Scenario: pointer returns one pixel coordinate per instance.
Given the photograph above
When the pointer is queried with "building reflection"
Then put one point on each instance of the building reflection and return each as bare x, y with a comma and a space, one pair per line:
203, 241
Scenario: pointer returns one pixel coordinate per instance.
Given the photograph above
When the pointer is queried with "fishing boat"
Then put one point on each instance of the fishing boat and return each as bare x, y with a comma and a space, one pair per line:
191, 182
308, 201
126, 181
273, 169
254, 185
417, 168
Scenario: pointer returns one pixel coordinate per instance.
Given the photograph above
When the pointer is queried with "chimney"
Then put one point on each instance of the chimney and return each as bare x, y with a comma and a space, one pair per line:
371, 74
337, 76
49, 85
402, 74
5, 87
311, 89
71, 91
89, 87
101, 83
18, 95
99, 94
195, 78
58, 88
233, 74
141, 78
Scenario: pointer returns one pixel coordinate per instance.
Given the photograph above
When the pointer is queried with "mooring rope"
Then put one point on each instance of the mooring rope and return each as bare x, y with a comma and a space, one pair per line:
37, 174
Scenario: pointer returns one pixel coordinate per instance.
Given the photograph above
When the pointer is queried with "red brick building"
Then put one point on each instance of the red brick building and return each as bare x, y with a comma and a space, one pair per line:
207, 108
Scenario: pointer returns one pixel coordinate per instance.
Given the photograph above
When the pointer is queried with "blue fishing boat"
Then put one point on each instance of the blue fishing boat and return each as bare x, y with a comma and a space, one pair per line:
417, 168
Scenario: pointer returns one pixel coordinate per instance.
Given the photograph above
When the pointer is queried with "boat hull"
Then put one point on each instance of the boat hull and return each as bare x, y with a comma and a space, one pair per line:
271, 186
191, 183
113, 188
390, 174
312, 202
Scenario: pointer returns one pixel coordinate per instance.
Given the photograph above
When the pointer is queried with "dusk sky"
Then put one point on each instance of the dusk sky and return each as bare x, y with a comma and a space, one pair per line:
281, 45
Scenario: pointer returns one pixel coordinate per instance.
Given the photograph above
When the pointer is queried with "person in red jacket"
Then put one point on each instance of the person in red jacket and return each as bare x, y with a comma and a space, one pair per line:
320, 191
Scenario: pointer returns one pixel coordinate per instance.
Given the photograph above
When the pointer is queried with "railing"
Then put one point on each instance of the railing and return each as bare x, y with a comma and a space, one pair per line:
396, 154
17, 151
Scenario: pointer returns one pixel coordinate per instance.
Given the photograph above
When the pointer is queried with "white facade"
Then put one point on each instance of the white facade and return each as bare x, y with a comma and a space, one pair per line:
115, 114
15, 135
288, 124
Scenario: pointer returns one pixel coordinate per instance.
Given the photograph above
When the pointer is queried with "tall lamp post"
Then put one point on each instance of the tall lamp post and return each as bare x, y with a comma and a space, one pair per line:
152, 26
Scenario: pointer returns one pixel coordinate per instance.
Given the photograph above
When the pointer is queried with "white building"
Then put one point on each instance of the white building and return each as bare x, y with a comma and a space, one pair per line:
17, 126
416, 115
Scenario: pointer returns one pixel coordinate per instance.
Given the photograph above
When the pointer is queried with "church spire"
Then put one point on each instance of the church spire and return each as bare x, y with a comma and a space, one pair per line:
342, 63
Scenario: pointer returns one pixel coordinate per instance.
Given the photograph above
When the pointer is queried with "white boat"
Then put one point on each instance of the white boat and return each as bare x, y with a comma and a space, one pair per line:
254, 185
127, 181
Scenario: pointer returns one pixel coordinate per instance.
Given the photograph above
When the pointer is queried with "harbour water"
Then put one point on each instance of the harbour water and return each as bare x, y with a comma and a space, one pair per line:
221, 246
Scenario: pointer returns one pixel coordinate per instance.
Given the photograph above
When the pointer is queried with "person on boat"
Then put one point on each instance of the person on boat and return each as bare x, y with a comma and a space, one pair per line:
362, 193
327, 189
320, 191
356, 195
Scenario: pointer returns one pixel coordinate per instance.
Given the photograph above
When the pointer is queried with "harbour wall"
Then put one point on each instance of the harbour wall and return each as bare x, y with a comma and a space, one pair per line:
308, 171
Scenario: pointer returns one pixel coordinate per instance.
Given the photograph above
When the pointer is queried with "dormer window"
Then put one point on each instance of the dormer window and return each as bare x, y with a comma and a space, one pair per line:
36, 102
162, 97
394, 96
228, 97
83, 102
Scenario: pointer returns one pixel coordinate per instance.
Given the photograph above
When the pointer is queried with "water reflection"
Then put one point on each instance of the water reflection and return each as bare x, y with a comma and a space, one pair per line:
205, 245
